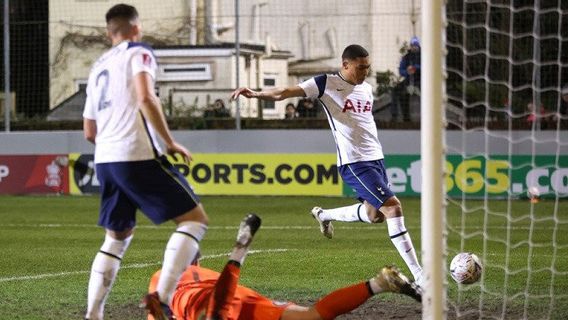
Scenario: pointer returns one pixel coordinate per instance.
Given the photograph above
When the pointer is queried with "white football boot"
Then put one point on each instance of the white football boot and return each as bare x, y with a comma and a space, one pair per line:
326, 227
390, 279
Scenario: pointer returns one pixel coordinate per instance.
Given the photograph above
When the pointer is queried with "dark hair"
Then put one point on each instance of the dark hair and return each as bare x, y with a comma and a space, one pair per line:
121, 11
221, 102
354, 51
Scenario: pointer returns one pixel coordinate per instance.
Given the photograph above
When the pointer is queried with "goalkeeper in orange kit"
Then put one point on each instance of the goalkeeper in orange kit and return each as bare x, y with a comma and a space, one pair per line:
202, 293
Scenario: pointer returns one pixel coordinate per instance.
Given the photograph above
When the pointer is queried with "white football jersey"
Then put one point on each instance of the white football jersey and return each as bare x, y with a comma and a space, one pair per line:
122, 132
349, 110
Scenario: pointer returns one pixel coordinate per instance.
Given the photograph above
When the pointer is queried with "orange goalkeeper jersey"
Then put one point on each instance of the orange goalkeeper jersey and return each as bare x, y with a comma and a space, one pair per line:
196, 286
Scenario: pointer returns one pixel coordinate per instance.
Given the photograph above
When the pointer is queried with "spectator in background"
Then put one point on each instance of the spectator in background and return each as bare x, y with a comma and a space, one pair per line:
220, 110
307, 109
534, 119
290, 112
217, 110
563, 108
409, 69
209, 112
531, 117
564, 103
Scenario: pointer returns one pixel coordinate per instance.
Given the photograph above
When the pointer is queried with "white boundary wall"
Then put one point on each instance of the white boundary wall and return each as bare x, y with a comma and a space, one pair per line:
281, 141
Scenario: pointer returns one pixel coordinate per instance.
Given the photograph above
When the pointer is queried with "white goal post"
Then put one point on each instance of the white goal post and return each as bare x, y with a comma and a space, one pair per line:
494, 155
432, 151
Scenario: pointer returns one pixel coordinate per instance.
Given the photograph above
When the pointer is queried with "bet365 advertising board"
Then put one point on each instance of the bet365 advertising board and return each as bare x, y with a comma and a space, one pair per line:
480, 177
316, 174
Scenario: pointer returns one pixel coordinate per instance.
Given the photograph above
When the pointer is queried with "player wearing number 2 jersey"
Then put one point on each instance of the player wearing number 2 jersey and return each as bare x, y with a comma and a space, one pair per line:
123, 118
347, 101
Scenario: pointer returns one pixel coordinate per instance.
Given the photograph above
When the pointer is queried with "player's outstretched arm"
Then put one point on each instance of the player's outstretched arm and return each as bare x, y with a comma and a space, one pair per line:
152, 111
275, 94
341, 301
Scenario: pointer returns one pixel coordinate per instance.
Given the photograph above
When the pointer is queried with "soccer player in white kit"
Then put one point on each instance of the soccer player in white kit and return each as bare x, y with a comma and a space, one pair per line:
347, 101
122, 117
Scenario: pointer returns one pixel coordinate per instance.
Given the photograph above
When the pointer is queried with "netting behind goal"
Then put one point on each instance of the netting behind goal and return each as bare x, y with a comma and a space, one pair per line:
507, 134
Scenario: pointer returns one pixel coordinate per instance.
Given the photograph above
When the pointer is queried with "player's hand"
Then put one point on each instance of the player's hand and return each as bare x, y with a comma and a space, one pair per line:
245, 92
174, 149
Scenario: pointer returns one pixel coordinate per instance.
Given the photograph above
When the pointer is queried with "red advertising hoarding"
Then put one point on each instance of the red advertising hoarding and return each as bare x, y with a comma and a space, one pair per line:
34, 174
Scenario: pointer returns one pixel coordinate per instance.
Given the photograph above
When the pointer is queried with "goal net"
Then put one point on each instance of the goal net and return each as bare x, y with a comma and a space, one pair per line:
507, 156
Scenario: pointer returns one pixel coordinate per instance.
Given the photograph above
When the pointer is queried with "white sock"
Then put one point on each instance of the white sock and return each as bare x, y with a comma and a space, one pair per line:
375, 286
401, 240
180, 251
356, 212
239, 254
103, 272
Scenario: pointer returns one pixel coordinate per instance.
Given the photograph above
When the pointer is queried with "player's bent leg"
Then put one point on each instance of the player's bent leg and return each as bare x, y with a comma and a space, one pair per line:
400, 237
219, 304
326, 227
226, 286
354, 213
180, 251
391, 208
374, 215
104, 269
196, 214
344, 300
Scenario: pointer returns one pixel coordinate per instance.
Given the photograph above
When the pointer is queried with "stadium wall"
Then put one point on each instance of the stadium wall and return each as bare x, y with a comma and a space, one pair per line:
287, 141
295, 162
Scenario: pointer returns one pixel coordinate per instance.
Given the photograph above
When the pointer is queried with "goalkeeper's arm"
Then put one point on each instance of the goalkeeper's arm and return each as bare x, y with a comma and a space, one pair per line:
276, 94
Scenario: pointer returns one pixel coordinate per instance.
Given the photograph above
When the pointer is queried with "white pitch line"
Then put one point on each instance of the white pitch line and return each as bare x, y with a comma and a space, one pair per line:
57, 225
129, 266
368, 227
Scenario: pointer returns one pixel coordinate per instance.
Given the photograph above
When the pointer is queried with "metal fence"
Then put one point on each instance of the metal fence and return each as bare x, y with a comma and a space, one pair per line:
52, 44
49, 47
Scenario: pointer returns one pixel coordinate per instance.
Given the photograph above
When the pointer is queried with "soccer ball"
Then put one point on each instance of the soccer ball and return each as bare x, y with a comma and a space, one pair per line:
533, 192
466, 268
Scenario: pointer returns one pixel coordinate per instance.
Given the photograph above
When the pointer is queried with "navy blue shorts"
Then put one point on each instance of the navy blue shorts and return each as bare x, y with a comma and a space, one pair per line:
154, 186
369, 180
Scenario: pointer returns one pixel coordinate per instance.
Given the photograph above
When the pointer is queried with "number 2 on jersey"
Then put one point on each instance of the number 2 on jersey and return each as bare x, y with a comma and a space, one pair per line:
102, 87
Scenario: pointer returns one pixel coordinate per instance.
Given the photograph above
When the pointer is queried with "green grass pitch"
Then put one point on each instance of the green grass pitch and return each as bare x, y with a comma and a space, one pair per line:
48, 243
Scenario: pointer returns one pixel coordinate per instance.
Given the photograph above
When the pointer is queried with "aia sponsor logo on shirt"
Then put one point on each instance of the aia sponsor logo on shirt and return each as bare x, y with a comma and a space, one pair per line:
146, 59
358, 107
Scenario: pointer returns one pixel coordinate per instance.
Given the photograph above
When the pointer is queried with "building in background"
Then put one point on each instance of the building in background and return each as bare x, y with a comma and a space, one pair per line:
193, 77
317, 31
77, 37
310, 35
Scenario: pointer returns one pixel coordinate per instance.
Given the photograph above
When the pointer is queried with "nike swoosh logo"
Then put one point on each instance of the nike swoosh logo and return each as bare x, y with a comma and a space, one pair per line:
340, 89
